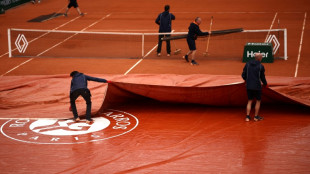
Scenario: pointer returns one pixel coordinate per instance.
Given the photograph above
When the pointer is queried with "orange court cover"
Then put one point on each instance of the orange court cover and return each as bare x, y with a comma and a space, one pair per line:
48, 96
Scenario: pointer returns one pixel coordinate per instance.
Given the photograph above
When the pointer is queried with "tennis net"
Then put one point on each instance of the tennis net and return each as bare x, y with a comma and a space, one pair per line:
89, 44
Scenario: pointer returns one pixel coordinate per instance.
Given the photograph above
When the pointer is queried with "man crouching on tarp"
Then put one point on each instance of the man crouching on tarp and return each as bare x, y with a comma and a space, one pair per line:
79, 87
253, 74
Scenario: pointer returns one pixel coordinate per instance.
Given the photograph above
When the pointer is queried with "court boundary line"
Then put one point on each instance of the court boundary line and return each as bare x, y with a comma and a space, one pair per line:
139, 61
48, 49
17, 66
274, 18
220, 12
94, 23
45, 34
125, 30
300, 44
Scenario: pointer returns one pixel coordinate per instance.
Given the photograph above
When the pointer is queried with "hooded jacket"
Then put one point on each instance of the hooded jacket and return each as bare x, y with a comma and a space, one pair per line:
253, 74
79, 81
164, 21
194, 31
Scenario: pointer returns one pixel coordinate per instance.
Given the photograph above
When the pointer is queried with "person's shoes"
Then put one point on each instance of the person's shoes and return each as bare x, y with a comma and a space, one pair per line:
33, 2
258, 118
39, 1
168, 55
186, 58
82, 14
76, 119
89, 121
193, 62
65, 14
158, 54
247, 118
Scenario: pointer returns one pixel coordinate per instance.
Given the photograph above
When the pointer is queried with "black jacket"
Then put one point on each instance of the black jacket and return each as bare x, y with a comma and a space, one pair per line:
194, 31
164, 21
79, 81
253, 73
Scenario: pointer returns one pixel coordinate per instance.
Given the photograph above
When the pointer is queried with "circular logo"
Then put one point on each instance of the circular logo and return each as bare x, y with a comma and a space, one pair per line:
110, 124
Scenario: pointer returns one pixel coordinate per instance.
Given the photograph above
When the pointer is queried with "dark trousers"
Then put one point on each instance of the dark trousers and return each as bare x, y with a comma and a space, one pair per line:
160, 43
85, 93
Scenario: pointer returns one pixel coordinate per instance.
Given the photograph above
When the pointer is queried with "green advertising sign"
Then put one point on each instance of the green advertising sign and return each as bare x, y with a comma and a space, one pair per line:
264, 48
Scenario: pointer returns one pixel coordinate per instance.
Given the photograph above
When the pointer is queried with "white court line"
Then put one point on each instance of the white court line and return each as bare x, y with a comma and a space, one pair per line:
137, 30
140, 60
274, 18
56, 44
44, 34
17, 66
35, 118
300, 44
216, 12
236, 12
143, 58
72, 36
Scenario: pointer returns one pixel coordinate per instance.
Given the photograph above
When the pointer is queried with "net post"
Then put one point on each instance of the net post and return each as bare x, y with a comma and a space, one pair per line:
285, 44
142, 44
9, 42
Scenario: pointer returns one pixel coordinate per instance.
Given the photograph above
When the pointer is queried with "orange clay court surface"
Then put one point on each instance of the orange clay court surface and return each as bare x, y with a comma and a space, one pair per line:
140, 128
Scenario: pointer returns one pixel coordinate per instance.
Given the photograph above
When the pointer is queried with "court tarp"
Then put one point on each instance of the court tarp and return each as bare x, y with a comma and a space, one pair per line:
48, 96
47, 17
213, 90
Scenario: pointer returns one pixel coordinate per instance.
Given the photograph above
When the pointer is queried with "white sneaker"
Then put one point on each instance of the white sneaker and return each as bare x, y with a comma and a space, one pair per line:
168, 55
158, 54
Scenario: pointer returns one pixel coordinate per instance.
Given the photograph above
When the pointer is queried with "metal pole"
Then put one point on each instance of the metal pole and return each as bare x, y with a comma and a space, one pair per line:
142, 45
9, 42
285, 44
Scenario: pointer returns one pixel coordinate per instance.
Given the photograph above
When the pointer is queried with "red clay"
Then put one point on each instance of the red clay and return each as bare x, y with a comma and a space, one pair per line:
140, 18
170, 138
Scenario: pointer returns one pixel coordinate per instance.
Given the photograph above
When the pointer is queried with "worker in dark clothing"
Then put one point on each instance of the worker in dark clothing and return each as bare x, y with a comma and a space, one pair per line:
34, 1
193, 33
79, 87
253, 74
73, 3
164, 21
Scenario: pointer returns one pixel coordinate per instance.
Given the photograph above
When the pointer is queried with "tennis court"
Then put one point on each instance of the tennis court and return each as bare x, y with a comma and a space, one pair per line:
158, 116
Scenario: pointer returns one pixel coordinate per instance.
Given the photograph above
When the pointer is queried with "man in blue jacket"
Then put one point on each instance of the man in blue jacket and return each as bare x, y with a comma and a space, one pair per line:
253, 74
193, 33
79, 87
164, 21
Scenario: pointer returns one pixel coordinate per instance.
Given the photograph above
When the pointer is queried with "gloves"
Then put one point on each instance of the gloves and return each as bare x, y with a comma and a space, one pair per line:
108, 81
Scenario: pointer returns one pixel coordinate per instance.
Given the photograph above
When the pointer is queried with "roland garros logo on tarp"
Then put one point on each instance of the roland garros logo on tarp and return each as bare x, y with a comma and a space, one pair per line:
110, 124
